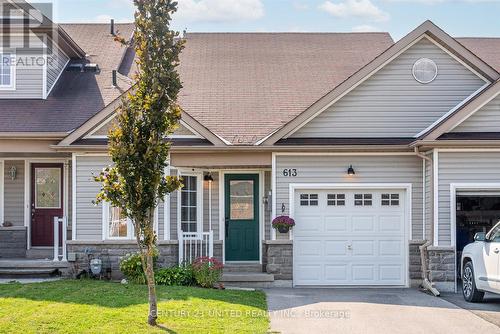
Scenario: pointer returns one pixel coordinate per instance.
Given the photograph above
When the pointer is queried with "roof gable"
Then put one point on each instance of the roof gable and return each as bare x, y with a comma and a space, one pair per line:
391, 103
465, 112
485, 119
39, 23
102, 119
427, 28
101, 130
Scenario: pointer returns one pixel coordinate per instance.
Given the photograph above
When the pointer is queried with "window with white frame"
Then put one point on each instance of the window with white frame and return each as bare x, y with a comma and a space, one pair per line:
116, 226
190, 206
7, 65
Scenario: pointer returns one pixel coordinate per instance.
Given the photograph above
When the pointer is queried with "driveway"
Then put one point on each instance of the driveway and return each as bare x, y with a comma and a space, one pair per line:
489, 309
309, 310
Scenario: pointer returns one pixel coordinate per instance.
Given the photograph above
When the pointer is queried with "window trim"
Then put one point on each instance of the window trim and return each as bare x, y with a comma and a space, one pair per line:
106, 206
199, 200
13, 71
130, 225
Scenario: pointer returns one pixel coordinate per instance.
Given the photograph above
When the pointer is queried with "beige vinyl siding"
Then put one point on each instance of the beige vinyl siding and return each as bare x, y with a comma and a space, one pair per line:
369, 169
56, 62
462, 167
392, 103
14, 193
215, 206
486, 119
29, 69
88, 215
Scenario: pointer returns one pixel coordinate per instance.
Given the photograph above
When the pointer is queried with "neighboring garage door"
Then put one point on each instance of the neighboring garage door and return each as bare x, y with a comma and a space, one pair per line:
349, 237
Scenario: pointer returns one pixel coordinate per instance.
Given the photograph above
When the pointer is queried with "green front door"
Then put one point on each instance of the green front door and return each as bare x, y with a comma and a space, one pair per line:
242, 217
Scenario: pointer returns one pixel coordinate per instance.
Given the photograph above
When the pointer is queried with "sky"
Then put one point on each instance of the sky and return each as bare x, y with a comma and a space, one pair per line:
457, 17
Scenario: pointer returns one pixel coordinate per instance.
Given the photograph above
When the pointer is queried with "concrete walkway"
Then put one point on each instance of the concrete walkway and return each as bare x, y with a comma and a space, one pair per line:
368, 311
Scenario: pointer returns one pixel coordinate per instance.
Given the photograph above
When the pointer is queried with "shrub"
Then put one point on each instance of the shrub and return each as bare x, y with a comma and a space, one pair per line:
207, 271
176, 275
131, 267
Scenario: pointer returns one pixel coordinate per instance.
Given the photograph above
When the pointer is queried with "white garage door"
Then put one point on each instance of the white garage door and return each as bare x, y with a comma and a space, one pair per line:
349, 237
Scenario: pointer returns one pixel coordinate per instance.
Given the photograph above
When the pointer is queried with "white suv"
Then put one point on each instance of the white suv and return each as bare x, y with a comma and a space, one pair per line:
481, 265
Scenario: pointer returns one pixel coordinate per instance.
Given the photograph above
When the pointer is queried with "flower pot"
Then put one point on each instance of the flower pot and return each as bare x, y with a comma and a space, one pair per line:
283, 229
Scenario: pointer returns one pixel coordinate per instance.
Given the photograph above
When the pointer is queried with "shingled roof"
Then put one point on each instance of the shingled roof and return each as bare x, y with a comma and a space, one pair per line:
488, 49
243, 86
76, 96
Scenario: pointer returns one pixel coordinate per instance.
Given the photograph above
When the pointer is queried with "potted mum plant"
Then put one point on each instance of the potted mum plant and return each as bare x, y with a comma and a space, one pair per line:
283, 223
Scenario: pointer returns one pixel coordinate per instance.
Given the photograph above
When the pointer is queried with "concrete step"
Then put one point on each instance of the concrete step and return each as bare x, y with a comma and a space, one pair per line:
29, 268
243, 267
31, 264
247, 280
247, 277
41, 253
31, 273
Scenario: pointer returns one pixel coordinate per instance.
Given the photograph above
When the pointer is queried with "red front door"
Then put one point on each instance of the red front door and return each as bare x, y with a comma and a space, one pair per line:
46, 202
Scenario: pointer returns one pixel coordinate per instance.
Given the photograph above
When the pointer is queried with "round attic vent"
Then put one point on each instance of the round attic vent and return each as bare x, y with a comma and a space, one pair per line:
425, 70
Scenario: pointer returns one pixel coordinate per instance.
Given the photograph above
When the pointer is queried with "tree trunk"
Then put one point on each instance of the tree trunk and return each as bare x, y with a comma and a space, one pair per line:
150, 278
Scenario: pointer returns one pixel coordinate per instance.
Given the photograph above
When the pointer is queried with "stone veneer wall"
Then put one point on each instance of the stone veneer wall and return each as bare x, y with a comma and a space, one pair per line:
12, 242
442, 265
110, 252
415, 262
278, 258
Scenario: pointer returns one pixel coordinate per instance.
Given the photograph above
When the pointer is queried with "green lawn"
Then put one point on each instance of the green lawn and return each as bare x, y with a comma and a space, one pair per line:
69, 306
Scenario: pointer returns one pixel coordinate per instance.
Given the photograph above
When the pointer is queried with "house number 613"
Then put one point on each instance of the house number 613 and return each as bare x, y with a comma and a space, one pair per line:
289, 172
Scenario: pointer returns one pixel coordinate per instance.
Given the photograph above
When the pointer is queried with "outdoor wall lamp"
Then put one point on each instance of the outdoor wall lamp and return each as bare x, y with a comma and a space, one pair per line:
208, 177
350, 170
13, 172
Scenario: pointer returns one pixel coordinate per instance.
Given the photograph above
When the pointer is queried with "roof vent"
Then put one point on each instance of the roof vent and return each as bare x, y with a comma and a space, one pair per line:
92, 67
75, 67
112, 27
425, 70
114, 78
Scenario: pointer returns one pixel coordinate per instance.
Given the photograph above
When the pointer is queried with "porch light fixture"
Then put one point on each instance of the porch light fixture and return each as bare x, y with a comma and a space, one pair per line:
13, 172
350, 170
208, 177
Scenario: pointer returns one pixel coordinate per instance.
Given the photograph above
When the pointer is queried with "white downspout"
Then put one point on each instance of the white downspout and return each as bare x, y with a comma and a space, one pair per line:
426, 283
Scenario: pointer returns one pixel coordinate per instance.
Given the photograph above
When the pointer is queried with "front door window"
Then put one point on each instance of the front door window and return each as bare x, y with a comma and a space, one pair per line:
47, 188
242, 199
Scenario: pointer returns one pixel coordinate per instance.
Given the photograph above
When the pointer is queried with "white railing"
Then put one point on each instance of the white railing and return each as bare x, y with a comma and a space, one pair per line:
64, 222
194, 244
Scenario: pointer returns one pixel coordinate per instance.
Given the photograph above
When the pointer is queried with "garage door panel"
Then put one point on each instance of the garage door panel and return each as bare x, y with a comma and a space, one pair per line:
336, 247
363, 273
308, 247
391, 274
390, 223
309, 274
309, 223
390, 248
363, 248
362, 223
336, 273
336, 223
350, 244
